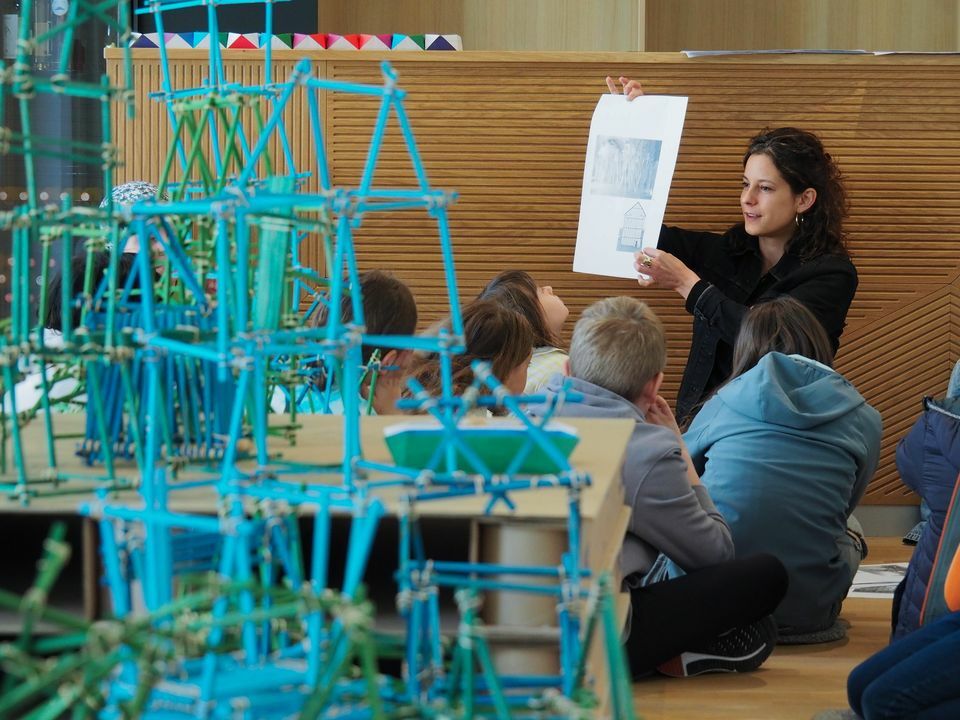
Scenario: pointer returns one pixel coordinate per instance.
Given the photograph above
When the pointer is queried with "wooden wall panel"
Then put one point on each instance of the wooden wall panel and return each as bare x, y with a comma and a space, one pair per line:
571, 25
548, 25
346, 17
508, 133
931, 25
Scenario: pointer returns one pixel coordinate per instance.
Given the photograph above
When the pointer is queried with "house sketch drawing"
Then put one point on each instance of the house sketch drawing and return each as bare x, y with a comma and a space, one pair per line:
630, 237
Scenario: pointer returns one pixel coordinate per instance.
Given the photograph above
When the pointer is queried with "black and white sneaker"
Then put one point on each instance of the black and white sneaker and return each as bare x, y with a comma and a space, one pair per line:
913, 536
740, 650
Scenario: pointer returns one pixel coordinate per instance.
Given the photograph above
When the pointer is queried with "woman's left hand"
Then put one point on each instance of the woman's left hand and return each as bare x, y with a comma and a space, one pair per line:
663, 270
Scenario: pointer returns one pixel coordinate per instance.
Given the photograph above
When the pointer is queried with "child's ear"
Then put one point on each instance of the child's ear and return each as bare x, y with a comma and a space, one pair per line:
397, 358
405, 358
649, 394
389, 357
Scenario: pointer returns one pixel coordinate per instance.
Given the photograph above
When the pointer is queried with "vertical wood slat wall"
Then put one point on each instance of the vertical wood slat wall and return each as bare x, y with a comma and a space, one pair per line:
508, 133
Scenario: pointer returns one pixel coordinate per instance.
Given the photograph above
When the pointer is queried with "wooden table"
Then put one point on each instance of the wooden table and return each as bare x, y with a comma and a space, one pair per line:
534, 532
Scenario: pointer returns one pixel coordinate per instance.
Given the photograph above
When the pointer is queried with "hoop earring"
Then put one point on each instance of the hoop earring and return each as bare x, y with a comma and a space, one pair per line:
798, 220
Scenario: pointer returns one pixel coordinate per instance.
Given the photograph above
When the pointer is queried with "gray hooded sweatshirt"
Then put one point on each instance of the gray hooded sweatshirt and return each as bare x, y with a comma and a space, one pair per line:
668, 515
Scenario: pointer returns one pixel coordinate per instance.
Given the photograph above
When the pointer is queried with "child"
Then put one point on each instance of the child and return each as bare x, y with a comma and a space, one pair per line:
786, 448
546, 314
125, 196
99, 265
492, 333
917, 676
65, 392
715, 618
928, 460
388, 309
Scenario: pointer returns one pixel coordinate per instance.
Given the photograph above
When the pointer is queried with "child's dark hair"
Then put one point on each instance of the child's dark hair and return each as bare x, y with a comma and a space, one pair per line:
491, 332
782, 324
100, 265
518, 291
388, 308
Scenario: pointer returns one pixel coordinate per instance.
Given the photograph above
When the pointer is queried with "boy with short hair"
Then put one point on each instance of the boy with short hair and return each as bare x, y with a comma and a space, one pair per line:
716, 617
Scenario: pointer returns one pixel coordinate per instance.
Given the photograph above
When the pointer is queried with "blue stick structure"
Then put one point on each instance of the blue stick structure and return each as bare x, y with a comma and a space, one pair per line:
186, 349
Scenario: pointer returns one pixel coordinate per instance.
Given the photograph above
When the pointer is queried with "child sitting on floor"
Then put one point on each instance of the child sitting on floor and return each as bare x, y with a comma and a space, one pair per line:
716, 617
786, 448
928, 460
492, 333
917, 676
545, 312
65, 392
388, 309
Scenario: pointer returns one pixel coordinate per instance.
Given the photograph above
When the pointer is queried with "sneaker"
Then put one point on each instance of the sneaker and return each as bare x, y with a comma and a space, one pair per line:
913, 537
740, 650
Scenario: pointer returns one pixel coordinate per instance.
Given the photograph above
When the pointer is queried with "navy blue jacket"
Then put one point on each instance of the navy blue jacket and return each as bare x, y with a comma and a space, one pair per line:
731, 280
928, 458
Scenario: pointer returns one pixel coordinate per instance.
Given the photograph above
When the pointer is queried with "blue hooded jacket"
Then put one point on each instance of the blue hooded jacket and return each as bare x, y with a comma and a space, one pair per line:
928, 458
786, 451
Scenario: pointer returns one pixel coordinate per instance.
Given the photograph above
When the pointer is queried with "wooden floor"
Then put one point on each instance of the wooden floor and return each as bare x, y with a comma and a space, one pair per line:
796, 682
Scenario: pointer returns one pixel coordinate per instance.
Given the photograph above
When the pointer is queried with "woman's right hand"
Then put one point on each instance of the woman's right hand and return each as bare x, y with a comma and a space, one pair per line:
631, 88
659, 268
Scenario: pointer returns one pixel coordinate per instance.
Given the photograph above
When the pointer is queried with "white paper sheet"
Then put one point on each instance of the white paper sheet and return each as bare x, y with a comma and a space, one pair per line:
631, 154
877, 581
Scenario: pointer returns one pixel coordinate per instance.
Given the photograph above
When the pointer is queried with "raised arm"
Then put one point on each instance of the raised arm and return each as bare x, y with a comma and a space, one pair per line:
631, 88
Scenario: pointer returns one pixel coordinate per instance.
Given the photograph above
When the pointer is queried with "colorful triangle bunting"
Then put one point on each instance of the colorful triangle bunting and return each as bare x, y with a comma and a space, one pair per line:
404, 42
343, 42
147, 40
317, 41
245, 41
177, 41
283, 41
438, 42
375, 42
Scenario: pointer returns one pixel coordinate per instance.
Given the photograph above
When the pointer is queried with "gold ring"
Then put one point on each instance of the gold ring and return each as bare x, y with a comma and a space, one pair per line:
647, 261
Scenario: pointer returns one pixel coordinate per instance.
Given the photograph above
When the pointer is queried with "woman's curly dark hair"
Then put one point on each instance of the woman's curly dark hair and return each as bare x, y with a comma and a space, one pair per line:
803, 162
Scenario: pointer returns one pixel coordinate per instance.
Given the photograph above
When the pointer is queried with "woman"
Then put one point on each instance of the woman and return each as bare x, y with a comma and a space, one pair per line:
791, 242
786, 449
546, 313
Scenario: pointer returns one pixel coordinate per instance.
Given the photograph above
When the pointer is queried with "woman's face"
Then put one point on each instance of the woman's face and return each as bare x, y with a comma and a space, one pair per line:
516, 381
554, 311
768, 202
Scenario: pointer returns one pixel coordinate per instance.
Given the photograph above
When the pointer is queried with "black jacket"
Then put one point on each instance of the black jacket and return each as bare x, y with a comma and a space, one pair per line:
729, 267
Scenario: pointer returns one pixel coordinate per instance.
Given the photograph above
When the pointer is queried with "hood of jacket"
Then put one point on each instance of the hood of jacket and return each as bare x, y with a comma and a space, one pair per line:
596, 402
791, 391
